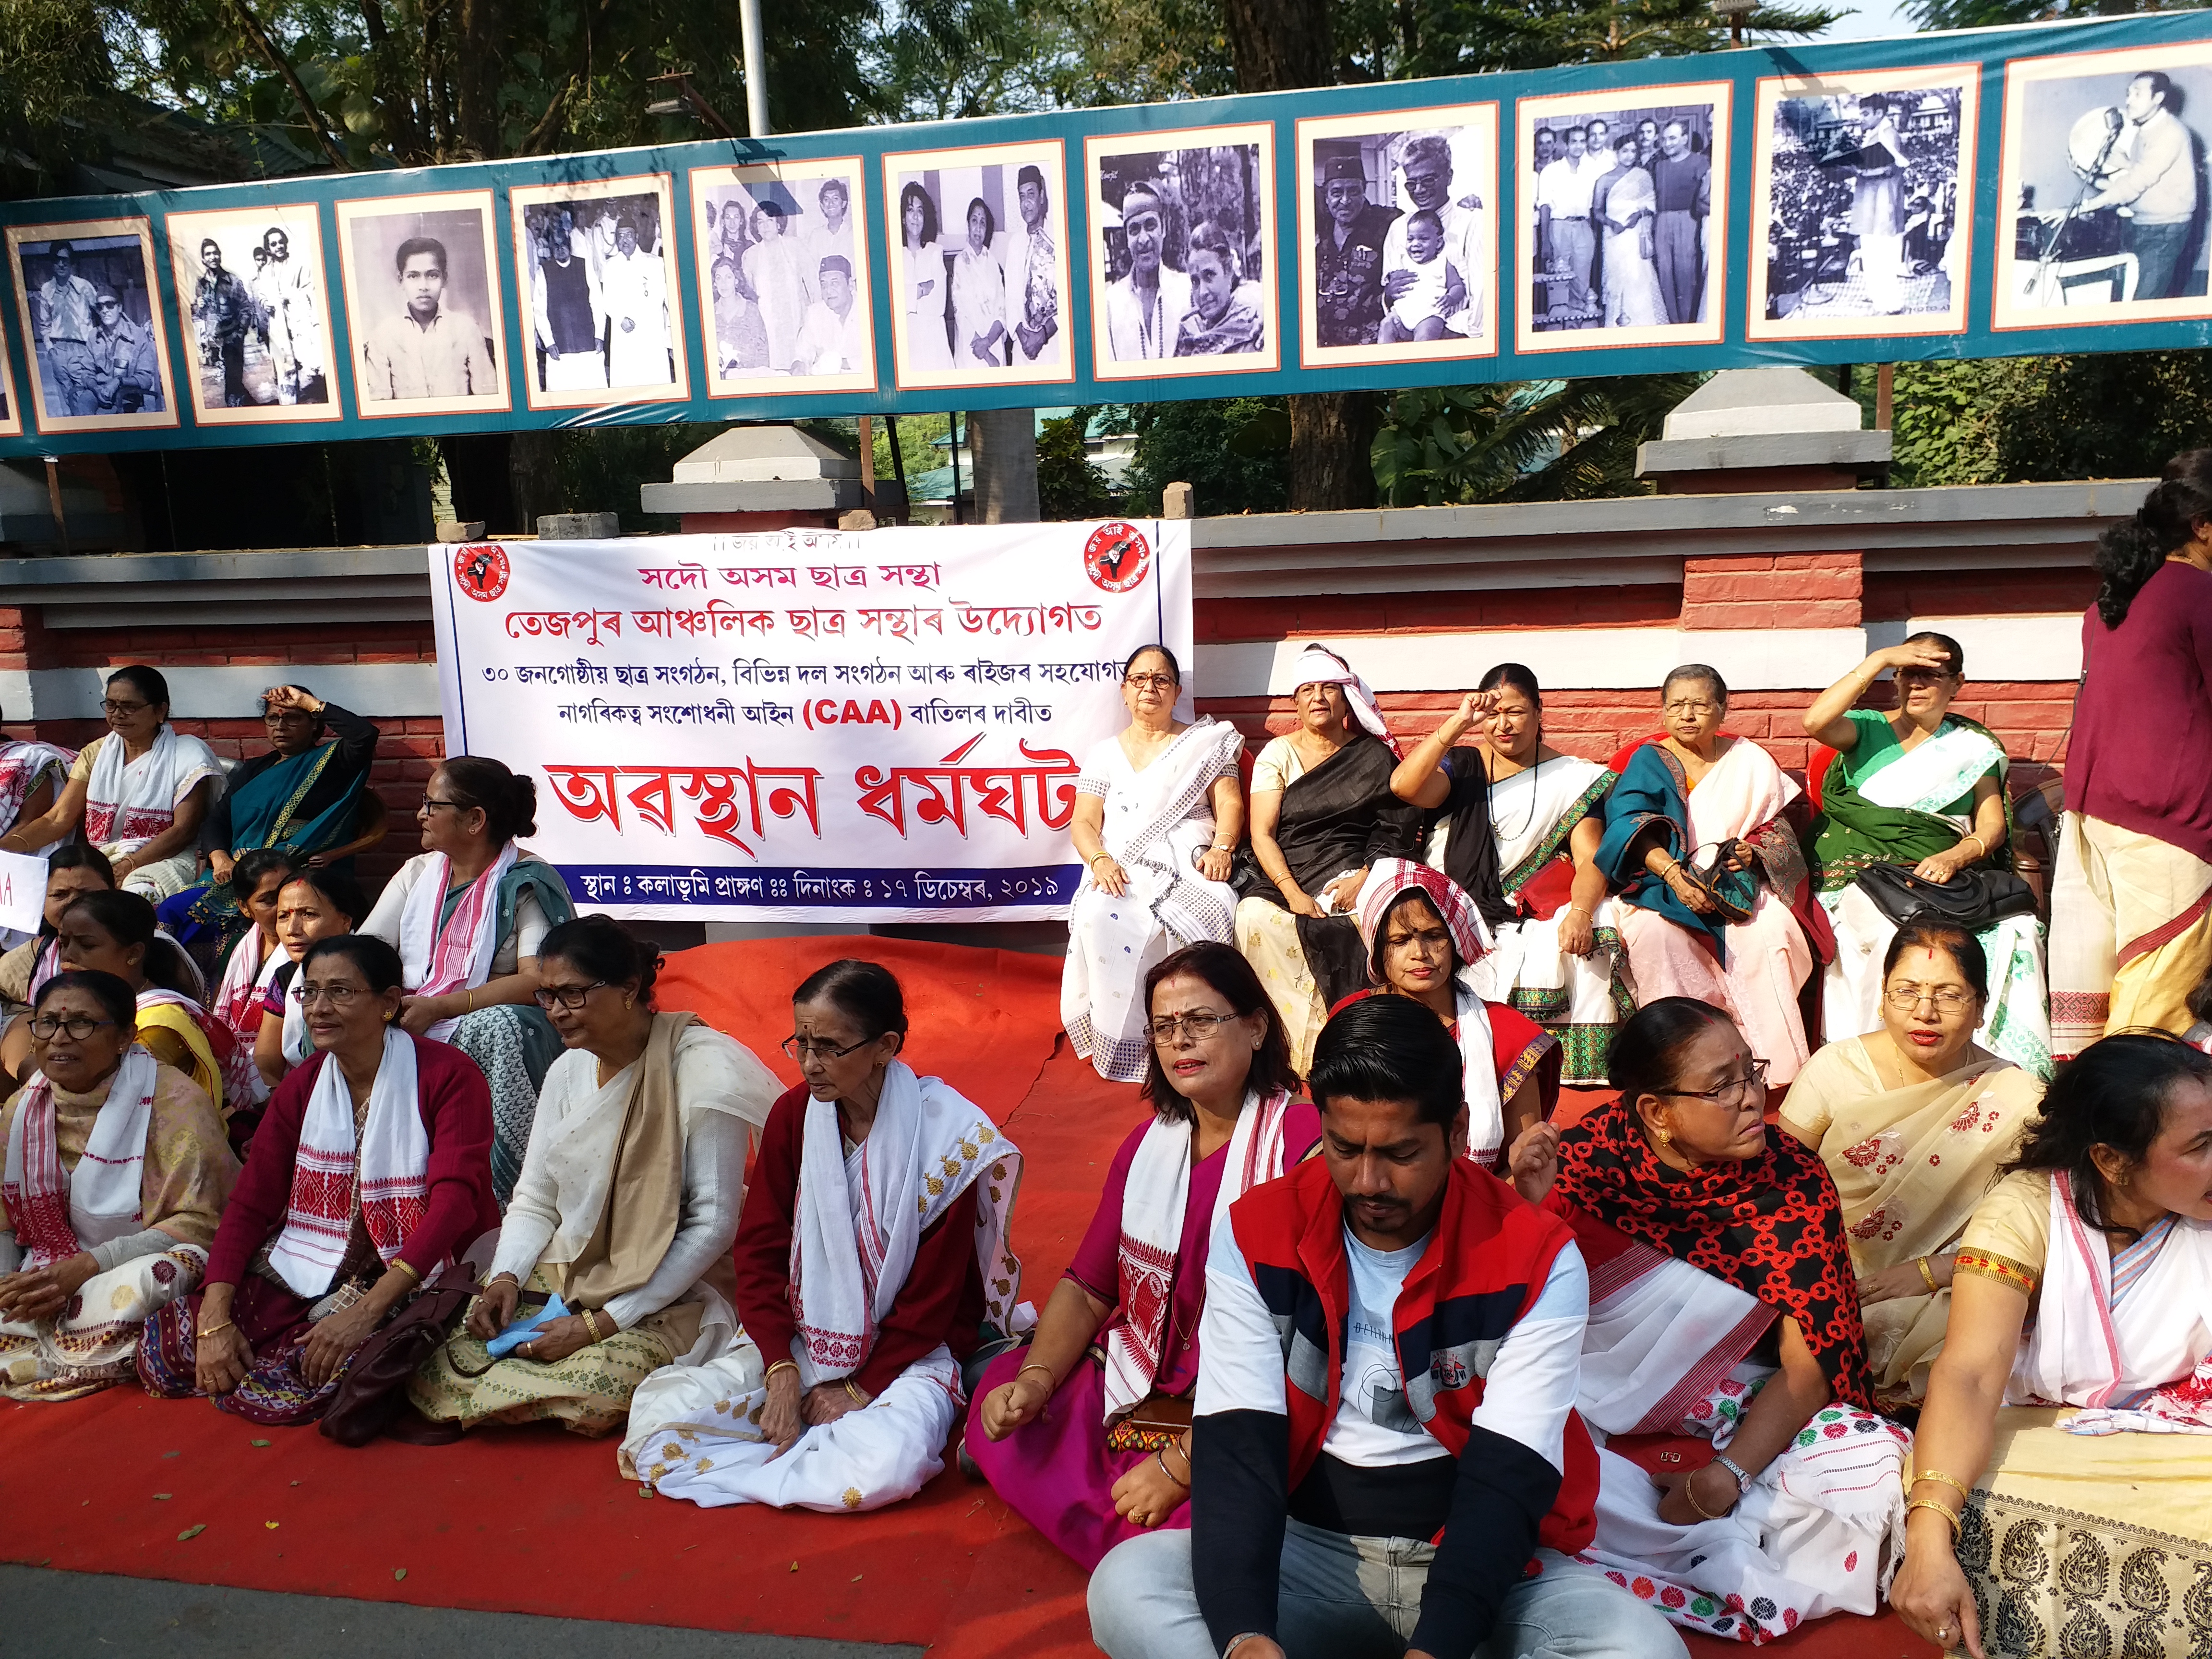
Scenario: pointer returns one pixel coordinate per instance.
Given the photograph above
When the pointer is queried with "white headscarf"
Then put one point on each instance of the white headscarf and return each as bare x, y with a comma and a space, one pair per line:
1319, 666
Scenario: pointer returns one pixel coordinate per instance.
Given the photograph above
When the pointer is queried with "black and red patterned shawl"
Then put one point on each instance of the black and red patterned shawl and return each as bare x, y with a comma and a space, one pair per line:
1771, 1226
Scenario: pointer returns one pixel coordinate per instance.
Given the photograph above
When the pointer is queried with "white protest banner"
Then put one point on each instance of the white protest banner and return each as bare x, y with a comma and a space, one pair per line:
802, 725
22, 892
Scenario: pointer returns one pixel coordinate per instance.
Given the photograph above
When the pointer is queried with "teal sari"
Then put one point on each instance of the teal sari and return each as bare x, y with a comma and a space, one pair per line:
264, 812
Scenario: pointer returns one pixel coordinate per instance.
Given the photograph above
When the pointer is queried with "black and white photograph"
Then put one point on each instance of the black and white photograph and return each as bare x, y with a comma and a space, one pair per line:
11, 412
1865, 186
1397, 236
595, 266
1182, 252
2103, 179
422, 304
92, 320
979, 265
782, 256
1624, 217
256, 313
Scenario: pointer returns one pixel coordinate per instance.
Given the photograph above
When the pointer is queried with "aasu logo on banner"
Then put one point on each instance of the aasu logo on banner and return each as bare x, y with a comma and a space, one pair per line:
482, 570
1117, 558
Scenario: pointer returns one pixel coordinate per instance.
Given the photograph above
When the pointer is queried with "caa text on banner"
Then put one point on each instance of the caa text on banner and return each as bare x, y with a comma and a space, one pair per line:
807, 725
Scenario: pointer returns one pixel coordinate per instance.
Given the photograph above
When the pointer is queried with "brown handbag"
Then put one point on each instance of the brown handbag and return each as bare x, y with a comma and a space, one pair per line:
1154, 1423
372, 1397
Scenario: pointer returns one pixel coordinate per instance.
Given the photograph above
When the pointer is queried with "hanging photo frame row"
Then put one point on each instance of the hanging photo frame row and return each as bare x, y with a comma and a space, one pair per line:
1748, 206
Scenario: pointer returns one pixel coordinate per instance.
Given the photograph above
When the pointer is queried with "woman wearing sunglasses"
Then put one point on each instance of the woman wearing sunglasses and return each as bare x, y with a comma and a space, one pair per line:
117, 1173
879, 1206
1914, 1122
1721, 1306
627, 1203
371, 1170
1115, 1356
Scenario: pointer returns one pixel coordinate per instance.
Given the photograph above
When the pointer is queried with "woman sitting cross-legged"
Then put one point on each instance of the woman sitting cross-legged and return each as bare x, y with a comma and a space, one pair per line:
1322, 813
465, 915
1696, 844
880, 1204
117, 1173
1913, 1122
1158, 810
371, 1170
73, 869
111, 932
2084, 1280
1085, 1435
1921, 788
1722, 1305
314, 904
628, 1202
1422, 934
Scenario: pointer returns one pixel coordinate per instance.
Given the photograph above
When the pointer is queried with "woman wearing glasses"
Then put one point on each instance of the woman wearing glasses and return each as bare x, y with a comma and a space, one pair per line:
1914, 1123
1116, 1354
1722, 1305
879, 1206
466, 915
116, 1174
370, 1171
141, 790
628, 1202
1923, 788
1712, 876
1158, 810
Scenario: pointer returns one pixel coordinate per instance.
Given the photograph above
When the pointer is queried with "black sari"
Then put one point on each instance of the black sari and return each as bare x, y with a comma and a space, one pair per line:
1339, 816
1470, 851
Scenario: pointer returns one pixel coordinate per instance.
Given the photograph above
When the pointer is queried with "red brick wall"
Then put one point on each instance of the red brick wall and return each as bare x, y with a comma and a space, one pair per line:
1788, 590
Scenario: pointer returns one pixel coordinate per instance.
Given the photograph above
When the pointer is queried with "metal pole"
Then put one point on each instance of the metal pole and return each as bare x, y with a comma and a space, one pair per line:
749, 25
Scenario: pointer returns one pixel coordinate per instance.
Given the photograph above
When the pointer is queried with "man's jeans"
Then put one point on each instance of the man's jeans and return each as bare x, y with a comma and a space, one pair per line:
2157, 250
1350, 1598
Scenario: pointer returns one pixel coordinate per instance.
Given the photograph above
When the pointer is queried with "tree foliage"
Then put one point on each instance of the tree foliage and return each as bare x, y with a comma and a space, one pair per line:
1210, 444
2010, 419
1069, 483
1533, 440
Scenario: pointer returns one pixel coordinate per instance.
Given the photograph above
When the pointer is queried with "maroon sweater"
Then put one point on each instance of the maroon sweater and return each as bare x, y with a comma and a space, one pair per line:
456, 1107
942, 1300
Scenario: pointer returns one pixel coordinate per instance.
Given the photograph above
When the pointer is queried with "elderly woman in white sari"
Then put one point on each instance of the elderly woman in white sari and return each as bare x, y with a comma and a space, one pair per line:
2084, 1281
466, 915
1721, 1306
140, 791
880, 1205
1712, 876
614, 1259
1517, 823
1158, 810
1922, 789
116, 1174
1913, 1121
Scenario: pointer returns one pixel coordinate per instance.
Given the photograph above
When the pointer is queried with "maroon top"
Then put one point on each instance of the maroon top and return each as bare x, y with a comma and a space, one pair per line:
1098, 1264
942, 1300
456, 1106
2141, 753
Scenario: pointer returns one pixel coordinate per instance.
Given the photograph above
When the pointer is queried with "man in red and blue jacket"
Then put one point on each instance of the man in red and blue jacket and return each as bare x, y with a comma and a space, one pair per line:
1386, 1458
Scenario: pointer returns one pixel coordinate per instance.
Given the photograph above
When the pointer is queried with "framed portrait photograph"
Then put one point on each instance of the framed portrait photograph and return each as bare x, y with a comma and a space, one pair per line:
1623, 202
1864, 184
782, 257
423, 305
595, 268
2101, 178
1182, 250
1397, 236
11, 411
92, 326
978, 241
256, 311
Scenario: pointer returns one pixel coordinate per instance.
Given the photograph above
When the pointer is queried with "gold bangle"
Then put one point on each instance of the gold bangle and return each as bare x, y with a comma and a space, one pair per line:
1937, 1475
405, 1269
1941, 1509
1927, 1274
469, 1003
1051, 1382
210, 1330
781, 1365
590, 1319
1690, 1492
859, 1399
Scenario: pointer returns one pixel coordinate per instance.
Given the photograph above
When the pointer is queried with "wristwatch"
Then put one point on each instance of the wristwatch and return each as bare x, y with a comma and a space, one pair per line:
1742, 1481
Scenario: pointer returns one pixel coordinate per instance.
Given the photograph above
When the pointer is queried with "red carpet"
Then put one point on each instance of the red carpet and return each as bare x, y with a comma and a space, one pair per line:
535, 1520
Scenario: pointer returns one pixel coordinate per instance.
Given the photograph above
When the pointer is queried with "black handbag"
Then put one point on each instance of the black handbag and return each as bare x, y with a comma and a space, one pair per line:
1975, 900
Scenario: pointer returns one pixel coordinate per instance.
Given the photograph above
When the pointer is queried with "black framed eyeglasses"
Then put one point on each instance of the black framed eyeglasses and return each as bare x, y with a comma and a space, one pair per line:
800, 1047
110, 706
76, 1027
571, 997
1729, 1093
430, 801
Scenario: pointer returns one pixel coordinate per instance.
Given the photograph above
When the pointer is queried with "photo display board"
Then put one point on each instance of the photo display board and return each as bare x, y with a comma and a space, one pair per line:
1992, 192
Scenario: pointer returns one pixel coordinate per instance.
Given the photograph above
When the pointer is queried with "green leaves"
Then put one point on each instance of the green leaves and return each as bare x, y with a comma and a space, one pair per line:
1515, 441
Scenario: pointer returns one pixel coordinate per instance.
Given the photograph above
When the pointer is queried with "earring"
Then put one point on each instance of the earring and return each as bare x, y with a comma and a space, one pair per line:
1666, 1136
629, 1002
